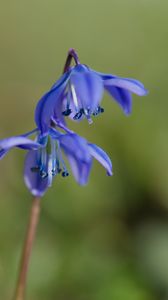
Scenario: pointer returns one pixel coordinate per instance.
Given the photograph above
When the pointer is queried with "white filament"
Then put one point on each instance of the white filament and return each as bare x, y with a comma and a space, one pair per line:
74, 96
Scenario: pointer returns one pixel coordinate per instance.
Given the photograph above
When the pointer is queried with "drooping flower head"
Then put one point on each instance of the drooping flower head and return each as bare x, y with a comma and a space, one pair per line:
45, 158
78, 94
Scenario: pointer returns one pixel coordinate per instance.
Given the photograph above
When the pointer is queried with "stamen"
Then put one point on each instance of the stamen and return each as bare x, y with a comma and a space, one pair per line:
67, 112
65, 172
90, 121
58, 169
68, 96
43, 174
98, 111
74, 97
78, 115
43, 158
50, 173
101, 109
53, 155
54, 172
87, 113
43, 163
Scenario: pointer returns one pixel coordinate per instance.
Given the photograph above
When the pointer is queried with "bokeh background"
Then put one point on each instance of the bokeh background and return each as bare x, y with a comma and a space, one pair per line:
108, 240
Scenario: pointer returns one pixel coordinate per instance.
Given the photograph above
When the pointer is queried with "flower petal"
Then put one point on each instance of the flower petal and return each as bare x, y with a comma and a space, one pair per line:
122, 96
47, 104
58, 109
102, 157
132, 85
103, 75
34, 182
78, 155
16, 141
88, 87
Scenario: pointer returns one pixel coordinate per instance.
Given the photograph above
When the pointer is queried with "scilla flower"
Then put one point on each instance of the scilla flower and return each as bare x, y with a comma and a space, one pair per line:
45, 158
79, 91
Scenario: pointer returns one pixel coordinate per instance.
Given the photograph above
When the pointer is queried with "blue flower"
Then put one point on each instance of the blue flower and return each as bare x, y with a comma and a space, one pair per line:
44, 159
78, 94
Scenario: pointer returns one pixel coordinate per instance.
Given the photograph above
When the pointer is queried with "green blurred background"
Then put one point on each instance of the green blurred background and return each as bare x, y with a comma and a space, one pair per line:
108, 240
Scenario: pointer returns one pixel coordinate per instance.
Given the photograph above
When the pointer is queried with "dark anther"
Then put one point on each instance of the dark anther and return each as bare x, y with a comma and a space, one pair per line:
100, 109
35, 169
67, 112
95, 113
54, 172
59, 170
65, 174
43, 174
79, 114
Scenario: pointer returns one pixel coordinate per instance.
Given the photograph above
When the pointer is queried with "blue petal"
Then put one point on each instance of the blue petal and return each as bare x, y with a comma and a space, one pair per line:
102, 157
122, 96
121, 88
34, 182
132, 85
88, 87
16, 141
80, 68
78, 155
47, 104
58, 109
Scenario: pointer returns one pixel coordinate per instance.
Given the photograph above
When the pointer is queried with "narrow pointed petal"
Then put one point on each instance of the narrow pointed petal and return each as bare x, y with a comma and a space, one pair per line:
34, 182
16, 141
58, 109
79, 158
122, 96
89, 89
47, 104
102, 157
131, 85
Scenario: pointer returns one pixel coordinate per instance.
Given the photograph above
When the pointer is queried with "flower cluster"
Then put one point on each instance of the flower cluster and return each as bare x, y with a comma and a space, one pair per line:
77, 95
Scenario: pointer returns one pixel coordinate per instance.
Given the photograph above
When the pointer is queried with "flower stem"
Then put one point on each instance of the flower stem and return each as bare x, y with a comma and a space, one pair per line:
30, 236
71, 54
